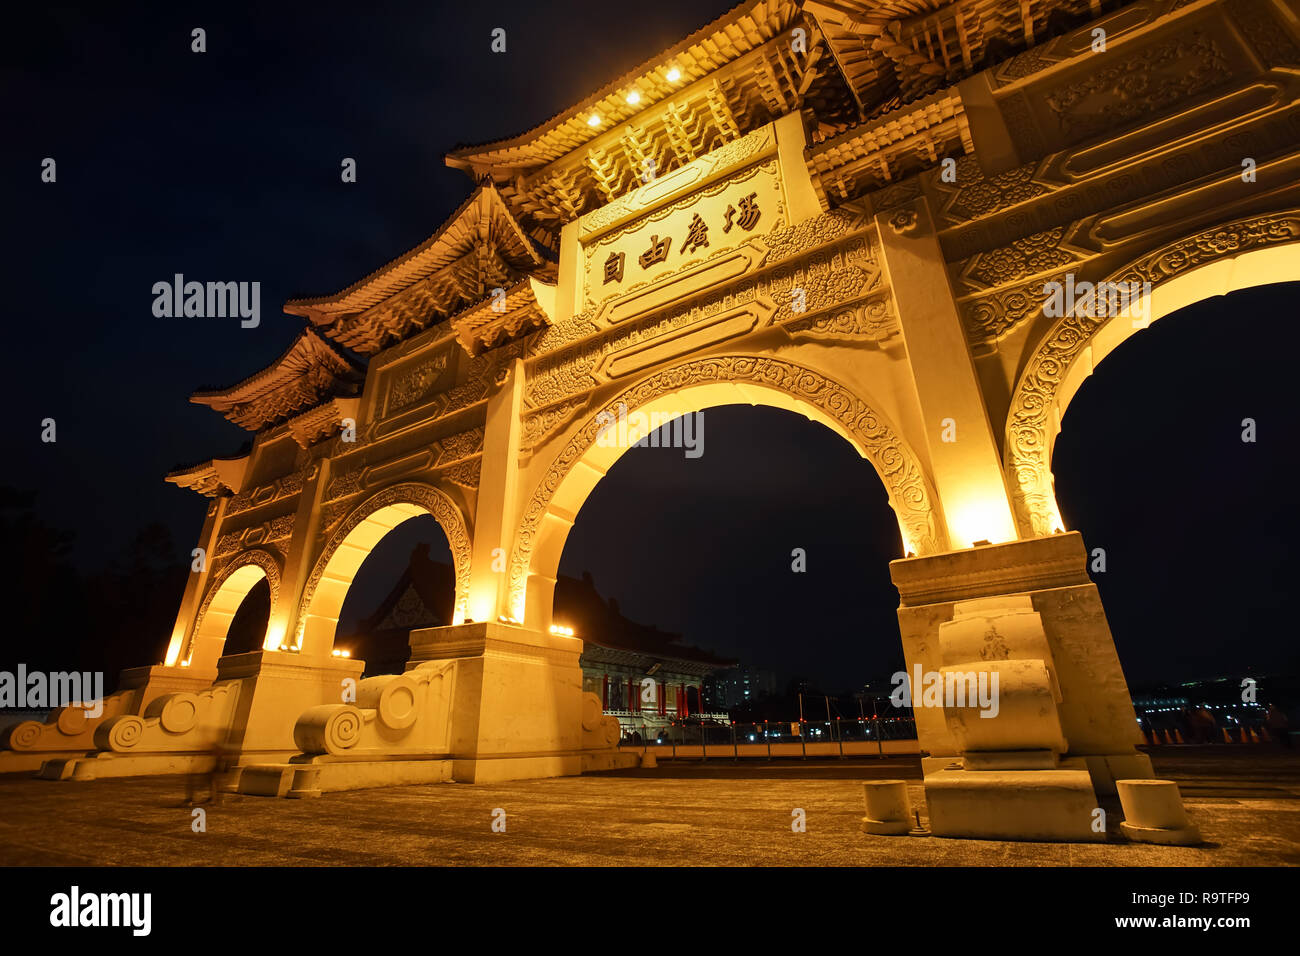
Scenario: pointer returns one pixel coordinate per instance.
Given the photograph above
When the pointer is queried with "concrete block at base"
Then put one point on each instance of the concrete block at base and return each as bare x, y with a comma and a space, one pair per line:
306, 783
58, 769
266, 781
14, 761
312, 776
106, 766
1053, 805
888, 808
1153, 813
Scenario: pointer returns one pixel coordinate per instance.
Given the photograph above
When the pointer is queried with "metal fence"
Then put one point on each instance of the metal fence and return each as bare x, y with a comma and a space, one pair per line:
869, 736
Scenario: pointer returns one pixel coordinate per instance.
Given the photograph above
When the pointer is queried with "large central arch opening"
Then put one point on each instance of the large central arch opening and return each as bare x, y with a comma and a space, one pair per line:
750, 581
777, 540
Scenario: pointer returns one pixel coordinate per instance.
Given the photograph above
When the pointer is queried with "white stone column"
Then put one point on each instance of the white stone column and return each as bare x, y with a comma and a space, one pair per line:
967, 469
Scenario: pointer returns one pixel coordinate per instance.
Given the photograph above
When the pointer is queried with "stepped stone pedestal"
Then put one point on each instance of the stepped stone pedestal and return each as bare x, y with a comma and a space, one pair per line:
1023, 621
518, 708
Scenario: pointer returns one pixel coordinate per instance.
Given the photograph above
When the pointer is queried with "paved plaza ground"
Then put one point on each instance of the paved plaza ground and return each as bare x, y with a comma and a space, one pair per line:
1245, 800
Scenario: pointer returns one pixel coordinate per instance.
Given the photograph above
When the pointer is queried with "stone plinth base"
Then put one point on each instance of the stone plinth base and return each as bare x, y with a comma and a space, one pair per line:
1013, 805
517, 708
310, 777
105, 766
277, 687
1063, 728
16, 761
304, 776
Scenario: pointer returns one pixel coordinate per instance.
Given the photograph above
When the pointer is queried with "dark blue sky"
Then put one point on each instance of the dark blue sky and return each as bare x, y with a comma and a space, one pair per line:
225, 166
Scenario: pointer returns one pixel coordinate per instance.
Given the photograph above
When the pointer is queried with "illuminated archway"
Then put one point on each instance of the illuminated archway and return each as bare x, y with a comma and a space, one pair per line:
691, 387
1238, 255
326, 589
225, 595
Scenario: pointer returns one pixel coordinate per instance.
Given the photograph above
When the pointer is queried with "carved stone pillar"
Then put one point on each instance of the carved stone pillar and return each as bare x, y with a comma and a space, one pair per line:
1019, 627
517, 710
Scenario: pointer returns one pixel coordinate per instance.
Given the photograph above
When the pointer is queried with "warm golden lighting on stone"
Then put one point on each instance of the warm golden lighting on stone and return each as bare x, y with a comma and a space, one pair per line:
861, 232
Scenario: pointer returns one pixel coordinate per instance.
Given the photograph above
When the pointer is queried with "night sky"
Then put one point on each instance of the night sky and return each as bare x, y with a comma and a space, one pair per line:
225, 166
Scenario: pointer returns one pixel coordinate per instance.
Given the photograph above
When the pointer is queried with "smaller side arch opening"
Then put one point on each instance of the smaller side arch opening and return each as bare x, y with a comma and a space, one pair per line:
221, 611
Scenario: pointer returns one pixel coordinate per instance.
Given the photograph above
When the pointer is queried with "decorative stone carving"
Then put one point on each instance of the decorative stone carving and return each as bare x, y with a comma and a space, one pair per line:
415, 383
992, 316
343, 484
1031, 255
465, 474
974, 195
872, 321
459, 445
539, 425
909, 492
1139, 84
1028, 458
834, 275
1269, 38
903, 222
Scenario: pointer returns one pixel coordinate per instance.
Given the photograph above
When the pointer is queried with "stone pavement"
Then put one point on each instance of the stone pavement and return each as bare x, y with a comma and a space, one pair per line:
1246, 801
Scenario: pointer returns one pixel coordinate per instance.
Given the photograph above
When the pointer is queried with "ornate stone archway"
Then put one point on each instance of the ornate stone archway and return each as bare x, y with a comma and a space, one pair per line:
1052, 372
884, 276
423, 499
818, 395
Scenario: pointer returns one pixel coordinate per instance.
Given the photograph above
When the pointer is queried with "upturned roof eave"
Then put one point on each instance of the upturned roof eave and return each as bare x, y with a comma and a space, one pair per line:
231, 393
317, 309
475, 159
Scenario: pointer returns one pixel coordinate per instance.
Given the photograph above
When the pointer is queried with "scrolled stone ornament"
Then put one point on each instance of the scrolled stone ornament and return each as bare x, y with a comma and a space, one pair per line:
119, 734
393, 696
71, 720
328, 729
176, 713
22, 737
